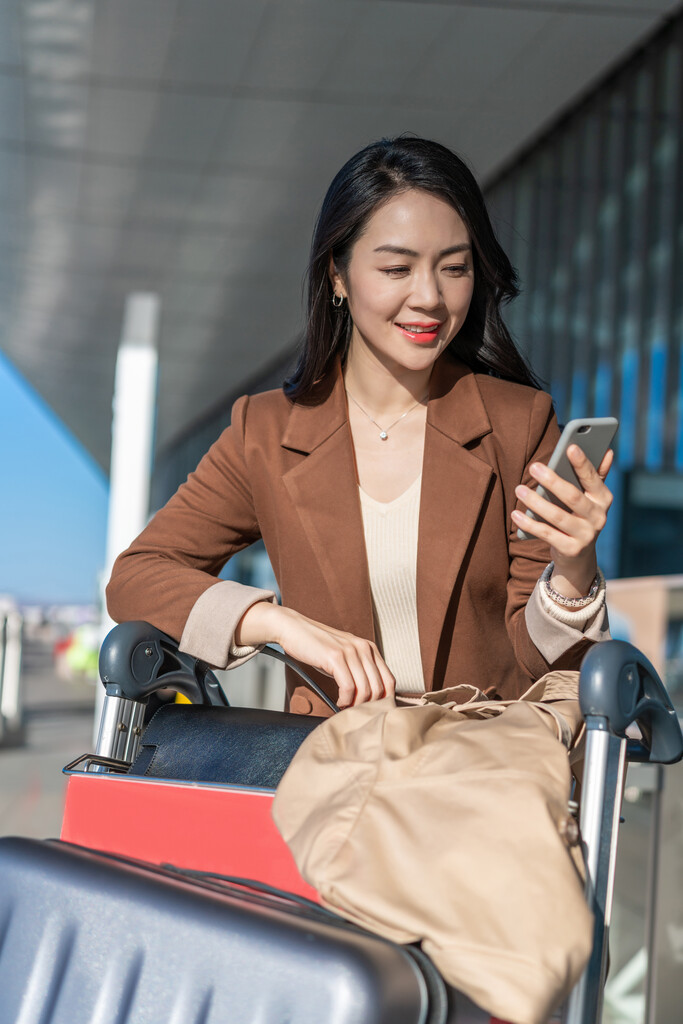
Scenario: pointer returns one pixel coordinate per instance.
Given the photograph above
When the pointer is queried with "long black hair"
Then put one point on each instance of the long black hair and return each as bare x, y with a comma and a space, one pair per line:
371, 177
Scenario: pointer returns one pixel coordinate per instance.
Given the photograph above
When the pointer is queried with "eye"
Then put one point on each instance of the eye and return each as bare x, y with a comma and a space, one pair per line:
457, 269
394, 271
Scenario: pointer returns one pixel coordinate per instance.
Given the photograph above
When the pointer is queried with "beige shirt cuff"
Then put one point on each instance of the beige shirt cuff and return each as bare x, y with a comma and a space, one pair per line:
209, 632
554, 629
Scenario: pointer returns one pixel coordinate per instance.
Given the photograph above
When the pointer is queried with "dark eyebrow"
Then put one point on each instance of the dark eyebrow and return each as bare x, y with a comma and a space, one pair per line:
398, 250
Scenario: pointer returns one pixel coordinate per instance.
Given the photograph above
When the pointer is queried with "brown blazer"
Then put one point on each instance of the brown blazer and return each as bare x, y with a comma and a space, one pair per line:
286, 472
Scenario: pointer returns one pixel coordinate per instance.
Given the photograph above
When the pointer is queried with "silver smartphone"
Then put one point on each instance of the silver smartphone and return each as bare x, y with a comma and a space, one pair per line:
593, 435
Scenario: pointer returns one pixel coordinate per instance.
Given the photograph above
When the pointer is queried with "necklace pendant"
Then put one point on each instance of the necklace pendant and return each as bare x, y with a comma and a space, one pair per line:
383, 435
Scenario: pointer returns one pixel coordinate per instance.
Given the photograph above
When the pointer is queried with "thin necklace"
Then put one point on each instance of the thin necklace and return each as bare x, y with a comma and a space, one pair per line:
384, 431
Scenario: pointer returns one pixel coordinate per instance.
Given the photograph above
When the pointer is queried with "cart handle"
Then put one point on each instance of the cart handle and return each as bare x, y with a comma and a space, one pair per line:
619, 684
136, 659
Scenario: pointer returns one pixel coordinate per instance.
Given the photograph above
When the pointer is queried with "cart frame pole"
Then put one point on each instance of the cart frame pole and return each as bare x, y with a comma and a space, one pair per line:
120, 730
601, 793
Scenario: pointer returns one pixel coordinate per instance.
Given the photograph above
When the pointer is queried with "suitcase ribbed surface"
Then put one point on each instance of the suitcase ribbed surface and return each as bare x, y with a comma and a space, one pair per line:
85, 939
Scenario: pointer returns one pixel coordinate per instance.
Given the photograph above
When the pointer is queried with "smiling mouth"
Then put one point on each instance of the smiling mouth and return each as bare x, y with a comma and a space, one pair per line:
420, 332
420, 328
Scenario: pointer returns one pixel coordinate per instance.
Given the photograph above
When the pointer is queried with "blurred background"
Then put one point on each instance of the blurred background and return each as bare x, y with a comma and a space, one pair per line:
161, 167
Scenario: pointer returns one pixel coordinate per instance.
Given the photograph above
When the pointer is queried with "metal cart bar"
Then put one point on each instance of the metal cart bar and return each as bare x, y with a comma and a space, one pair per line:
618, 688
599, 819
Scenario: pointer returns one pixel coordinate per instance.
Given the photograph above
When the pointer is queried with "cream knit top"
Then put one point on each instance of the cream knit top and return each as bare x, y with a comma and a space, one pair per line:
391, 529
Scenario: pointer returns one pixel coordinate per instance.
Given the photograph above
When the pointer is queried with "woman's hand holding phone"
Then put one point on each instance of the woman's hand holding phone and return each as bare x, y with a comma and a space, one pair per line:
572, 530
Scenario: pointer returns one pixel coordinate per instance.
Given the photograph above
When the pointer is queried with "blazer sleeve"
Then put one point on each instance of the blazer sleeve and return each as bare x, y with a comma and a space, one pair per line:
168, 575
542, 641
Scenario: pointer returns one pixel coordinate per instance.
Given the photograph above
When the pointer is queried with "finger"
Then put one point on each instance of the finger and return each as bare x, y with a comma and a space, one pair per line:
362, 685
377, 673
359, 661
343, 677
588, 475
582, 523
566, 545
606, 464
387, 676
593, 480
581, 509
372, 673
554, 484
387, 683
591, 485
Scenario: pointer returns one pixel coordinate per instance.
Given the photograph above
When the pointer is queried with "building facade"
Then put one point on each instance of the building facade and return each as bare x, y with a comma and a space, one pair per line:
592, 218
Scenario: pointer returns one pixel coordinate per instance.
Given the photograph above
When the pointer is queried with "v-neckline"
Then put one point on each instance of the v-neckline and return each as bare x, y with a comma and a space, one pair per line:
384, 505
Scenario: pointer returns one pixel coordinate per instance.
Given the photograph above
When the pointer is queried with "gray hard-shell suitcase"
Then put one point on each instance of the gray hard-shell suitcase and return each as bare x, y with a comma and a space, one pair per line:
91, 938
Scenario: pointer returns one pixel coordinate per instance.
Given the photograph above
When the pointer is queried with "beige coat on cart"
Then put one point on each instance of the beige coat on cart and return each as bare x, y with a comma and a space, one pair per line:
447, 823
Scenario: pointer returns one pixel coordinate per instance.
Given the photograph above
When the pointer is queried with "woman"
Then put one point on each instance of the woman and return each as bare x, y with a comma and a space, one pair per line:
388, 478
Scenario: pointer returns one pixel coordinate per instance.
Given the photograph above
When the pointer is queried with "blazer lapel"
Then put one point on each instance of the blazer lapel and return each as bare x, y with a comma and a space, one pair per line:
454, 487
323, 487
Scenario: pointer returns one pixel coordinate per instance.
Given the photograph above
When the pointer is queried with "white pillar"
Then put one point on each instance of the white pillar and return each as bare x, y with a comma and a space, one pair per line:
134, 413
10, 675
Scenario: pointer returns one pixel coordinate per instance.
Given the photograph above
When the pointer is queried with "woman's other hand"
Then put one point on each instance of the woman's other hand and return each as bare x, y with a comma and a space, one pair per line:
356, 665
571, 534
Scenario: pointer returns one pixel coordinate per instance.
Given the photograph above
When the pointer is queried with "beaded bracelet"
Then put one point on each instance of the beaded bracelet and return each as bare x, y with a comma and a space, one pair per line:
571, 602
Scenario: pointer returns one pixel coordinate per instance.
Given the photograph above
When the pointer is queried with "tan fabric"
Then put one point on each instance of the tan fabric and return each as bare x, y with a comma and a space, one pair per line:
555, 696
477, 795
551, 627
213, 619
286, 472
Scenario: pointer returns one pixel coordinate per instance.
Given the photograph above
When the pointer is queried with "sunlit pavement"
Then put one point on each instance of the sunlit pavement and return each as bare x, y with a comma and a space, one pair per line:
59, 726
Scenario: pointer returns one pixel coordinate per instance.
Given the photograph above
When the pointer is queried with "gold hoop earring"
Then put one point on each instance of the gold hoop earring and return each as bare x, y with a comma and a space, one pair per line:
337, 305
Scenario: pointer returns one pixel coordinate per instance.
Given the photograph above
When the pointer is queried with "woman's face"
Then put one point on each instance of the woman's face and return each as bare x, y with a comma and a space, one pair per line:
409, 281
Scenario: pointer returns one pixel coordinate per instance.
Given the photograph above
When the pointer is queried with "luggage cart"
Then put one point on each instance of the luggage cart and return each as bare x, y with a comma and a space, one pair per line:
172, 897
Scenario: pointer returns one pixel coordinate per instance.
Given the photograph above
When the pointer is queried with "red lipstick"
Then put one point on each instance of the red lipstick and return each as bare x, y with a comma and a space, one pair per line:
422, 334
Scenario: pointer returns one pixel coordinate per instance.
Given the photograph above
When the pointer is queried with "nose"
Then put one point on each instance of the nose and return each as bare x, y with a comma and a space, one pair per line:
426, 290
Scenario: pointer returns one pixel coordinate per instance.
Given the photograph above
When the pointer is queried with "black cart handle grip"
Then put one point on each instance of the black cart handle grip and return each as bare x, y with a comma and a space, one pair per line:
619, 684
137, 659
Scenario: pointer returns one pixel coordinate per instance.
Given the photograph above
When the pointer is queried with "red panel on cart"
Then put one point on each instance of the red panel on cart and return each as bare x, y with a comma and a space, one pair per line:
229, 831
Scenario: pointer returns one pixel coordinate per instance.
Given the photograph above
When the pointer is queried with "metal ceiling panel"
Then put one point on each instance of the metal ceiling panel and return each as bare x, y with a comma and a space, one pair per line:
211, 41
106, 189
432, 59
11, 50
53, 185
259, 136
243, 201
132, 38
296, 44
626, 8
56, 115
163, 198
207, 254
12, 108
185, 128
120, 121
12, 190
461, 69
640, 9
57, 37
